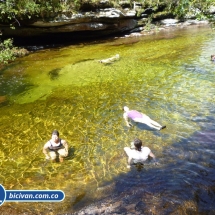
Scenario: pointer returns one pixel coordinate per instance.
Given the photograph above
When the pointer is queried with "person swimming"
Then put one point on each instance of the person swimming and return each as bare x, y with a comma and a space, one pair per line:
55, 146
138, 153
137, 116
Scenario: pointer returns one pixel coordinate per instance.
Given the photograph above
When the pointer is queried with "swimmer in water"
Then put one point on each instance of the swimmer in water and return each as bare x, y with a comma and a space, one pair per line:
140, 117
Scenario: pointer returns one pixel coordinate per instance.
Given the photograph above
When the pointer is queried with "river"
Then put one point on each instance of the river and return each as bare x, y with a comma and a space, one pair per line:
167, 75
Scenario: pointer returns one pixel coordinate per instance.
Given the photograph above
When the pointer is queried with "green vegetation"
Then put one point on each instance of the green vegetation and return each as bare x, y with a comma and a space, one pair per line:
197, 7
15, 11
6, 51
18, 12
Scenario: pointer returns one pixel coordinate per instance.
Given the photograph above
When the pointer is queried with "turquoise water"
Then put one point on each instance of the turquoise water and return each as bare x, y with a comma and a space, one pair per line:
168, 76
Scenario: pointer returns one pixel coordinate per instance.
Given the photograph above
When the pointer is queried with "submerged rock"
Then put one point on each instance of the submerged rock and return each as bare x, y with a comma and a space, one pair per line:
110, 60
3, 100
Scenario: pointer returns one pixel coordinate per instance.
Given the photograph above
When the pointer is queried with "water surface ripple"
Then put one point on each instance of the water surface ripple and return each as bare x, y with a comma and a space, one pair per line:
168, 76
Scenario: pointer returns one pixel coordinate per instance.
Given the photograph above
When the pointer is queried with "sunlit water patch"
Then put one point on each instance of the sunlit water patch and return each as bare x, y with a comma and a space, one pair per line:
168, 77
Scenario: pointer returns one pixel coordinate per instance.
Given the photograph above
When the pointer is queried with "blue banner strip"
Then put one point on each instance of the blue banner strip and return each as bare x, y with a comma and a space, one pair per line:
34, 195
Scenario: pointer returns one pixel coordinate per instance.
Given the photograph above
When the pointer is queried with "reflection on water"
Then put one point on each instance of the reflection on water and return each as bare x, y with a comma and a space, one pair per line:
168, 76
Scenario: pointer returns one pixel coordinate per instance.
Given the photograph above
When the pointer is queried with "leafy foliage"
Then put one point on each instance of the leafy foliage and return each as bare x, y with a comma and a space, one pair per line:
196, 7
13, 11
7, 51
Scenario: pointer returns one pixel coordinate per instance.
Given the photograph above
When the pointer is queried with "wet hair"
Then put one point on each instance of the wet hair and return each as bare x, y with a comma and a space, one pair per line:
55, 132
125, 108
138, 144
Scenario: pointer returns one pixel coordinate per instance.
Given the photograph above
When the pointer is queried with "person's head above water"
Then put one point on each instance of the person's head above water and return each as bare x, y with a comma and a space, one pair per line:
55, 136
125, 108
55, 132
138, 144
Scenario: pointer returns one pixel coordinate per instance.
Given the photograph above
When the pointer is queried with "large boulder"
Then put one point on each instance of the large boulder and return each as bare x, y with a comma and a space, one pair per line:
109, 20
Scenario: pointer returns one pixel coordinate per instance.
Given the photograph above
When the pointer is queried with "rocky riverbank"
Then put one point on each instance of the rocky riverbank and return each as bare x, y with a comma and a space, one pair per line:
37, 43
99, 22
165, 25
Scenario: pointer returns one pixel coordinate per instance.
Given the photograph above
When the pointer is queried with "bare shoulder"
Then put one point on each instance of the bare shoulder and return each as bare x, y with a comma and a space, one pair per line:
125, 115
47, 144
63, 141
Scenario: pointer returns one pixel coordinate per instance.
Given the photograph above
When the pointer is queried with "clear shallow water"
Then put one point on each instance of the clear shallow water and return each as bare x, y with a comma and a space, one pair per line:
168, 76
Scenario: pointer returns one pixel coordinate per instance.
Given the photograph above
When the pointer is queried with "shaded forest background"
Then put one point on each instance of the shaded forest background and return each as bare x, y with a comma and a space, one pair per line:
17, 12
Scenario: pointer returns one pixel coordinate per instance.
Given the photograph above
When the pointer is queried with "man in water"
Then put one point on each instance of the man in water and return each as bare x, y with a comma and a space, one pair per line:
140, 117
138, 154
55, 146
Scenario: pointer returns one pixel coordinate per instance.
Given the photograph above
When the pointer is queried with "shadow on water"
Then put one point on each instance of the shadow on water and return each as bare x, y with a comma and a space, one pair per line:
182, 183
83, 99
142, 127
62, 39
